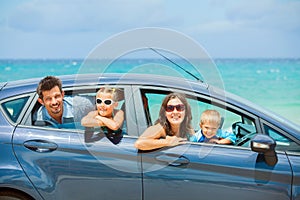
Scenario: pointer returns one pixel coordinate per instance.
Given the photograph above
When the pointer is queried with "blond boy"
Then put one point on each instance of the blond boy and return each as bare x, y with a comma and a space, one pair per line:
210, 131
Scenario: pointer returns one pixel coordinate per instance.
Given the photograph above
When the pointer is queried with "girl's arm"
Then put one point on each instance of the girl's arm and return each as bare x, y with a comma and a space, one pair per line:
113, 124
89, 120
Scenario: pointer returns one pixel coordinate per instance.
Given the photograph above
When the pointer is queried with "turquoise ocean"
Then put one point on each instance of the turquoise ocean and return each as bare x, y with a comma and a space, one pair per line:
270, 83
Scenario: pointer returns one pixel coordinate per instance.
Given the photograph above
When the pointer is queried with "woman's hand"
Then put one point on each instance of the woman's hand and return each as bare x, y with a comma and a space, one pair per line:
174, 140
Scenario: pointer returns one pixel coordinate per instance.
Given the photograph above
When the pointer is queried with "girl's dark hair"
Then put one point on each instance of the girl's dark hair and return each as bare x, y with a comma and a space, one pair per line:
185, 127
48, 83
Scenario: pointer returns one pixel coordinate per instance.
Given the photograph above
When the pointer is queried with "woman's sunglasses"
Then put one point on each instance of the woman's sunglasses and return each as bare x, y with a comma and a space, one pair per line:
105, 101
179, 108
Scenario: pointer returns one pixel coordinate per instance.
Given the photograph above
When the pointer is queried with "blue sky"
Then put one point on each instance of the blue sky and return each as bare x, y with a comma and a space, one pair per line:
225, 28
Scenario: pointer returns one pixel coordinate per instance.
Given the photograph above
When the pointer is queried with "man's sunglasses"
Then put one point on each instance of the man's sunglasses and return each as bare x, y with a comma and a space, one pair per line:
105, 101
179, 108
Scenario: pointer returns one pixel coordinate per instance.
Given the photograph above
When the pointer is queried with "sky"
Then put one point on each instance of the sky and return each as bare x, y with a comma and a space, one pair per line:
225, 28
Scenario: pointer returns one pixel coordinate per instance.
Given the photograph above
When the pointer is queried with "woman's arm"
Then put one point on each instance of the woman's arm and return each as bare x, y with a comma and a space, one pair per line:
155, 137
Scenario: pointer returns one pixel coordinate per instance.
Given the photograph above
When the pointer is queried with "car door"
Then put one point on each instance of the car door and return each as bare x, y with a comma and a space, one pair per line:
290, 146
210, 171
207, 171
64, 164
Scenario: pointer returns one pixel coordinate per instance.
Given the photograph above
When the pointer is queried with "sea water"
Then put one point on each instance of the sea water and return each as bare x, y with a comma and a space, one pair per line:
271, 83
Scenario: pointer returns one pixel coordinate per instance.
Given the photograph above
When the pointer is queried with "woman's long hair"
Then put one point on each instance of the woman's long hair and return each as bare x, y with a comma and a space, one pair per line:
185, 126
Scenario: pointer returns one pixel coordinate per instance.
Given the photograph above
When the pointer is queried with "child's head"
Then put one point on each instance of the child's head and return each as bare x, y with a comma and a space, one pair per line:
210, 122
106, 101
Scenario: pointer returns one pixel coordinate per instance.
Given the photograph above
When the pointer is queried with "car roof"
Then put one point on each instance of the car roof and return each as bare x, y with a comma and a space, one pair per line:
29, 85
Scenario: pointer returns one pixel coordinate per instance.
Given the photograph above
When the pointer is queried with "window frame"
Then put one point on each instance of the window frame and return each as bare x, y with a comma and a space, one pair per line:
27, 120
206, 99
283, 133
22, 114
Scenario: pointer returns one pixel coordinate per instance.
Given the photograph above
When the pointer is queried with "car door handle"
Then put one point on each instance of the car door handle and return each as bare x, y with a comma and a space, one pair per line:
40, 146
173, 159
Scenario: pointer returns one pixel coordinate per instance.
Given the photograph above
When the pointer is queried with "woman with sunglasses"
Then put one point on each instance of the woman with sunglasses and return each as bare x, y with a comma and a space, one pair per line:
173, 126
106, 116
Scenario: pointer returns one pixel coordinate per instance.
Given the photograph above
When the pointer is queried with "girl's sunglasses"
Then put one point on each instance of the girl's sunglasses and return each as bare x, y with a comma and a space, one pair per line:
105, 101
179, 108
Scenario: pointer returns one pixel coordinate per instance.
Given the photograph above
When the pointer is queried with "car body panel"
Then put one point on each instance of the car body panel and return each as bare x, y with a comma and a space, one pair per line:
295, 164
213, 172
11, 173
75, 169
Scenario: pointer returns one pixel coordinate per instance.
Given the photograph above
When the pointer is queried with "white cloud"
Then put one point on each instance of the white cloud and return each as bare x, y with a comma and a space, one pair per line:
265, 15
268, 14
81, 15
267, 26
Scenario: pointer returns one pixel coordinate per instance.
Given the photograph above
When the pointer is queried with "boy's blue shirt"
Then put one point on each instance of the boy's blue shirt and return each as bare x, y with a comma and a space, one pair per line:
199, 136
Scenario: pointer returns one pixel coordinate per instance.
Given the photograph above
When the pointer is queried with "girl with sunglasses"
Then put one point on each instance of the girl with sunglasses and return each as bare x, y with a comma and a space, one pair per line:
106, 116
173, 126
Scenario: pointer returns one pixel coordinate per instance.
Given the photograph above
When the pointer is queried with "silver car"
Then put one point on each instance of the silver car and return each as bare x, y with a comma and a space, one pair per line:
41, 162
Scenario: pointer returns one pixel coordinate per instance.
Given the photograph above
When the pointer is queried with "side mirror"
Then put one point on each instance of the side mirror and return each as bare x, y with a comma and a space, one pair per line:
262, 143
265, 145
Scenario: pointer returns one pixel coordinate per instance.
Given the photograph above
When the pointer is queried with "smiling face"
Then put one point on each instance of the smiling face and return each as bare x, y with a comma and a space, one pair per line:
210, 123
176, 113
106, 106
209, 128
53, 102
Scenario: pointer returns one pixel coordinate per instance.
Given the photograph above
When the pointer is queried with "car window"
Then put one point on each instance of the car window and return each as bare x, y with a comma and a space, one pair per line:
14, 107
81, 105
154, 103
234, 121
198, 107
231, 120
83, 101
283, 143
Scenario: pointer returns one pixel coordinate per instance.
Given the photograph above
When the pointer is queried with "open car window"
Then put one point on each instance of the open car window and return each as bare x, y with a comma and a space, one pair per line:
233, 121
83, 101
